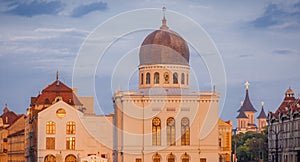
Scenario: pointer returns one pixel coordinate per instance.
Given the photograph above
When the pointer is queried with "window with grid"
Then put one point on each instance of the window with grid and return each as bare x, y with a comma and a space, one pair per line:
50, 143
156, 127
71, 127
50, 127
70, 143
185, 131
171, 131
138, 160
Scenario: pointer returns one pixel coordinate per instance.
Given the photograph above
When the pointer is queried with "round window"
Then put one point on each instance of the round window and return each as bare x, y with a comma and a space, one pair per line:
60, 113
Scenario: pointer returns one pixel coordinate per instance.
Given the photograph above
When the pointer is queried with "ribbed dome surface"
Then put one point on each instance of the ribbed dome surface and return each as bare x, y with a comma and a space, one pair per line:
164, 46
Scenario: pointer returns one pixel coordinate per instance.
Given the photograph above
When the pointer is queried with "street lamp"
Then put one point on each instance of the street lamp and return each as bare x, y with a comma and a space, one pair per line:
276, 142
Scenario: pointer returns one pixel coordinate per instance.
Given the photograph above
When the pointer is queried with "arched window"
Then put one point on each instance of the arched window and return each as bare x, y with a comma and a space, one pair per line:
156, 78
71, 127
166, 78
156, 127
142, 78
70, 158
171, 158
50, 127
171, 131
156, 157
148, 78
175, 78
185, 157
185, 131
50, 158
182, 78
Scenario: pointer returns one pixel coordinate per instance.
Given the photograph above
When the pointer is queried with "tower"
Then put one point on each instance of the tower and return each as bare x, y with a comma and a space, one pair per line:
245, 119
262, 118
164, 119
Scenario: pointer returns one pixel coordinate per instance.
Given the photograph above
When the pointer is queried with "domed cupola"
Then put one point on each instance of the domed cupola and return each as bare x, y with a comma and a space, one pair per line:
164, 46
164, 59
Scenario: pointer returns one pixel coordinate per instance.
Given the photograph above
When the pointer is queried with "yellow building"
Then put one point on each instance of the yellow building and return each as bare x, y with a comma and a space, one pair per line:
225, 133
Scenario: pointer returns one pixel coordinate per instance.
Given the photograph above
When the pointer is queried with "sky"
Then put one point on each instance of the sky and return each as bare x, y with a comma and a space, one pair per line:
258, 41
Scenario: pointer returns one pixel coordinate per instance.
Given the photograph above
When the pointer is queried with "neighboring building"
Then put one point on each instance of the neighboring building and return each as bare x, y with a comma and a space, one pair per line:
284, 130
10, 123
245, 118
164, 120
225, 133
59, 127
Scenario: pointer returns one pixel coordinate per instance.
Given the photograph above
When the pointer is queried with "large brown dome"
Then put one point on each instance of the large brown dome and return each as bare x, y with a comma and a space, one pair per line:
164, 46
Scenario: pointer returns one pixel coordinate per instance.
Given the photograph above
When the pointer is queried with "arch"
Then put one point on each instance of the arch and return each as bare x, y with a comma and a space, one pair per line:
185, 157
171, 157
185, 131
142, 78
50, 127
182, 78
156, 129
156, 157
171, 131
148, 78
50, 158
175, 78
70, 158
156, 78
70, 127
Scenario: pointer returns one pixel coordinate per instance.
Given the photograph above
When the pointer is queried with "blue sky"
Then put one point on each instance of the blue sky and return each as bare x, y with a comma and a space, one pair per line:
258, 41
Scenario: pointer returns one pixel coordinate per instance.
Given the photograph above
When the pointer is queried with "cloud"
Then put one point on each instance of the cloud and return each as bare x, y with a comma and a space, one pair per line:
282, 52
85, 9
34, 8
277, 16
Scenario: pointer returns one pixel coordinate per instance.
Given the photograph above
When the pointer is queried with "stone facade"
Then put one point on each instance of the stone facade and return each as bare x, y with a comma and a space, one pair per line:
284, 130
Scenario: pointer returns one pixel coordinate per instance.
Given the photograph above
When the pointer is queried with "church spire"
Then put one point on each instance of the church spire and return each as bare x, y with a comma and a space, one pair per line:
262, 114
164, 20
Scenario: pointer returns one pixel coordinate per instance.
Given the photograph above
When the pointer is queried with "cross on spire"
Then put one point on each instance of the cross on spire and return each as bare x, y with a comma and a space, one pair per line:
57, 75
164, 21
247, 85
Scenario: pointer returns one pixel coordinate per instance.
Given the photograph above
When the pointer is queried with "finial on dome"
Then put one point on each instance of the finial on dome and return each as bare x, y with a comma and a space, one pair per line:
262, 103
164, 21
57, 75
247, 85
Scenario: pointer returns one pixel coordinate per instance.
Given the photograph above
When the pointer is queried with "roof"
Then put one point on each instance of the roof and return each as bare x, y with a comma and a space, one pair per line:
262, 114
247, 105
9, 115
54, 90
242, 115
164, 46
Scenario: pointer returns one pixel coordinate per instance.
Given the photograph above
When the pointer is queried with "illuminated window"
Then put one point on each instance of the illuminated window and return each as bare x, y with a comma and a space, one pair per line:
171, 131
156, 78
138, 160
185, 131
71, 127
185, 157
182, 78
50, 143
50, 127
70, 158
61, 113
156, 158
171, 158
166, 77
148, 78
156, 127
175, 78
70, 143
202, 159
50, 158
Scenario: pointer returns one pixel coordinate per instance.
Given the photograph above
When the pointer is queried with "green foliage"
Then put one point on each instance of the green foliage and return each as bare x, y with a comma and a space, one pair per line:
251, 146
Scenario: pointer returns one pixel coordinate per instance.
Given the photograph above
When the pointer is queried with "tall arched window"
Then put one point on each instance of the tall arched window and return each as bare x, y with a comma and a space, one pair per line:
156, 158
166, 78
156, 127
50, 127
70, 158
156, 78
185, 131
71, 127
175, 78
171, 131
148, 78
182, 78
171, 158
142, 78
50, 158
185, 157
